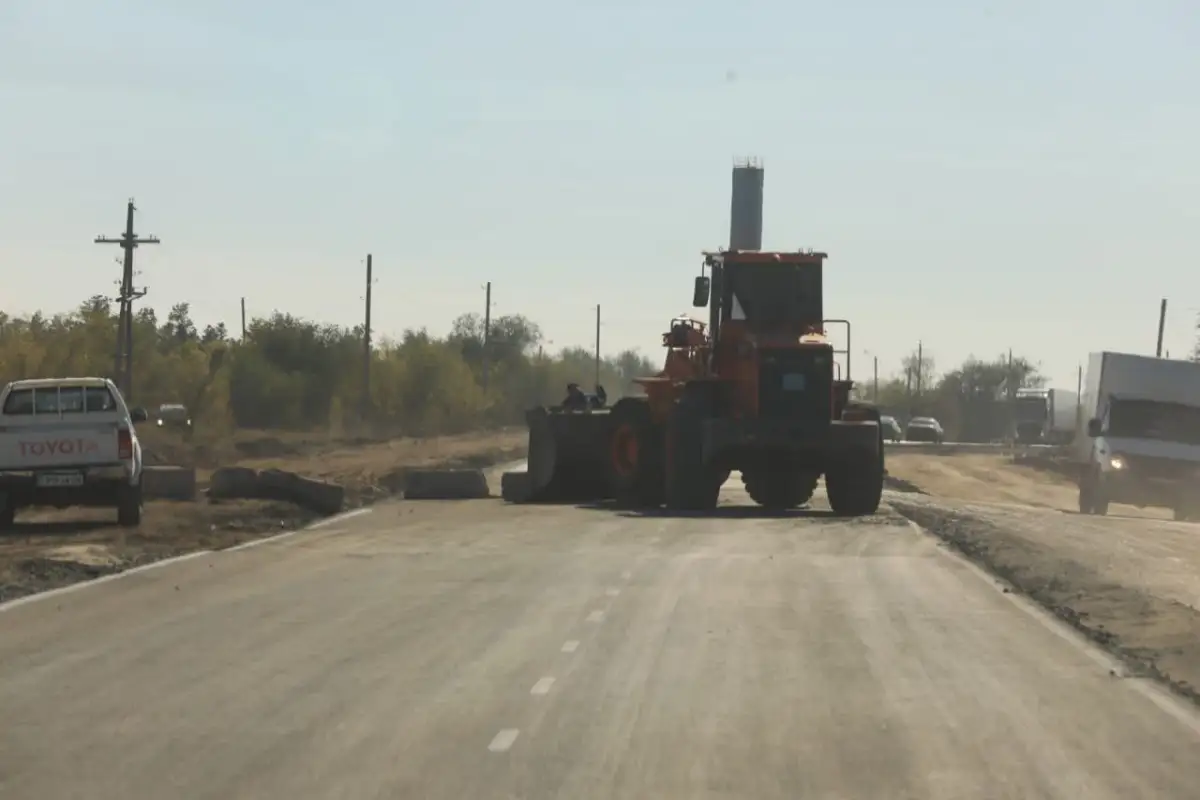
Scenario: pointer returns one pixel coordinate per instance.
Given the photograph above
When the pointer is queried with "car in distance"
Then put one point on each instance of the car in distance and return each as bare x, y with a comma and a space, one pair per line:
924, 429
173, 415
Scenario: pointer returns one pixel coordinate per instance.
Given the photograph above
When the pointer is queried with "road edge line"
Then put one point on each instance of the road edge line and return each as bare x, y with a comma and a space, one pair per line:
17, 602
345, 515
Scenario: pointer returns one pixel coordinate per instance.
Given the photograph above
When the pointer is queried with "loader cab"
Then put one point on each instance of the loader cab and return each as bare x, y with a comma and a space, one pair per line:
768, 293
763, 310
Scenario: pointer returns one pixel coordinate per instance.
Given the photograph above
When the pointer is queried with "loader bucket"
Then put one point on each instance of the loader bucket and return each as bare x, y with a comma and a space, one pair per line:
568, 456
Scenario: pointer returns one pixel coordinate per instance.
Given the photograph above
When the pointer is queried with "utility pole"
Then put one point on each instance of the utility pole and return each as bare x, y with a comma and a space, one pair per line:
875, 387
366, 389
1011, 391
487, 332
920, 365
243, 319
128, 241
1162, 321
597, 383
1078, 394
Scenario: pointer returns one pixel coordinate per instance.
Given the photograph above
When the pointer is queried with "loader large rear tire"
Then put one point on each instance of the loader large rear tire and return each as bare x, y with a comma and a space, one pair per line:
780, 490
636, 455
691, 485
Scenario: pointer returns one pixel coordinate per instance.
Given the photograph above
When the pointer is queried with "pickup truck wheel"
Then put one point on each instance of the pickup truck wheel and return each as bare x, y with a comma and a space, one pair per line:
129, 506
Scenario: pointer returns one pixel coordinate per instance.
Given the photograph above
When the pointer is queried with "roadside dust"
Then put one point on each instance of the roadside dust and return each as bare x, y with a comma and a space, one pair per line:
987, 478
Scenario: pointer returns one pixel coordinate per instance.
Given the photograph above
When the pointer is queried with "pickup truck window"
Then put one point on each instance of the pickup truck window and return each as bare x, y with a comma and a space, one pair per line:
59, 400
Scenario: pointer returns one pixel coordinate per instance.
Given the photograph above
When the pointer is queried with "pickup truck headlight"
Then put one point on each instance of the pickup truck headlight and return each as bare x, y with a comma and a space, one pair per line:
1117, 462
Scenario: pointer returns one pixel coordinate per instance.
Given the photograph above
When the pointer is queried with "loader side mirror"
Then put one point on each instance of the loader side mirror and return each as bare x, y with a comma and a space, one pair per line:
1093, 428
701, 292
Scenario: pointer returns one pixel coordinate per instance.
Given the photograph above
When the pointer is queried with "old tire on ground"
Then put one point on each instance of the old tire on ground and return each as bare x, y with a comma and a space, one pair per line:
780, 490
320, 496
636, 455
129, 506
515, 487
691, 485
445, 484
854, 485
233, 483
169, 483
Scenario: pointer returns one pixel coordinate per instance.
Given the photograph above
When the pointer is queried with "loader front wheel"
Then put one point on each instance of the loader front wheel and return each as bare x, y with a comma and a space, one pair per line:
636, 455
691, 485
854, 484
780, 490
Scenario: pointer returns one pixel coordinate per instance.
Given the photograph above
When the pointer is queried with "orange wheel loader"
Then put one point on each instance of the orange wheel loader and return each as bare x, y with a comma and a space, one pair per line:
756, 389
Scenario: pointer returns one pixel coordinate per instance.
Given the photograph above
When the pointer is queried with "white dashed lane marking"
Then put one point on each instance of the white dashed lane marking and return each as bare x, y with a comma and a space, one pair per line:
504, 740
571, 646
542, 686
595, 616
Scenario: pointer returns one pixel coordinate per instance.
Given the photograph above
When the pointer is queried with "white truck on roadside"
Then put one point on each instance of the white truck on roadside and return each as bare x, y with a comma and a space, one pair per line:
69, 442
1139, 438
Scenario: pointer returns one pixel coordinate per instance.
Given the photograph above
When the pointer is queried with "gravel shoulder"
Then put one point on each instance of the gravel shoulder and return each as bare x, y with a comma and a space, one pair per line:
1129, 581
49, 549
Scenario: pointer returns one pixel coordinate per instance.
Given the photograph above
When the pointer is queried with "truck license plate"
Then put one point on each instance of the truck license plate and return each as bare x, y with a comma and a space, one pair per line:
55, 480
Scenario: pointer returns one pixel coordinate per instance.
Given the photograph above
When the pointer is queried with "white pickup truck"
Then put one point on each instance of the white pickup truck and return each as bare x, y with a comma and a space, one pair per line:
69, 442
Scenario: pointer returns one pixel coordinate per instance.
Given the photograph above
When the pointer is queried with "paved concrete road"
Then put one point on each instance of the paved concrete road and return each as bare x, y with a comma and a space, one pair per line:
483, 651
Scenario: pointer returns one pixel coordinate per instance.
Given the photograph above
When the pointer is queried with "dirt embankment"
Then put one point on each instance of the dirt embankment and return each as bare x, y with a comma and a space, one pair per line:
50, 548
1130, 580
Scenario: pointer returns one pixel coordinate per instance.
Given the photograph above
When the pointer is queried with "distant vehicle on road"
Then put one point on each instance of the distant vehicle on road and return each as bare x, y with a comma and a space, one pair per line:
1045, 416
173, 415
69, 442
890, 428
924, 429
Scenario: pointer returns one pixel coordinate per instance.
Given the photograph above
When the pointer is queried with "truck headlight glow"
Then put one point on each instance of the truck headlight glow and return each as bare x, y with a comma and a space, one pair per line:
1116, 462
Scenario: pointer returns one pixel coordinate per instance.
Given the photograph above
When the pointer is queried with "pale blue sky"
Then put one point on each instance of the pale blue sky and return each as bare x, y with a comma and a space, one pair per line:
1015, 173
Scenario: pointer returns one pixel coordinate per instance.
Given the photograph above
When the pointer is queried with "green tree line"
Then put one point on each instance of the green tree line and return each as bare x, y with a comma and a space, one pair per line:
289, 373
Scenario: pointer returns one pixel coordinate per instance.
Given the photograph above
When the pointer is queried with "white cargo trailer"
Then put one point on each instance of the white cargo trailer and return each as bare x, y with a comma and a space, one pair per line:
1062, 416
1139, 434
